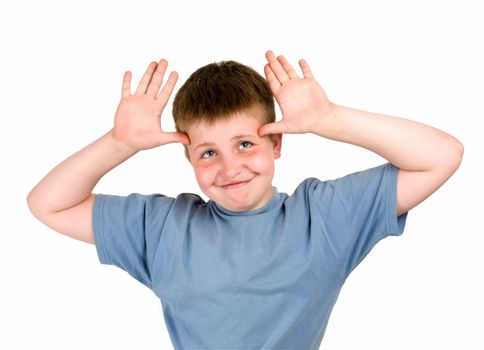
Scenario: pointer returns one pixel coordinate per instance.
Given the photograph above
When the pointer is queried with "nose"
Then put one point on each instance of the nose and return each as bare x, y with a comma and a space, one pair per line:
231, 166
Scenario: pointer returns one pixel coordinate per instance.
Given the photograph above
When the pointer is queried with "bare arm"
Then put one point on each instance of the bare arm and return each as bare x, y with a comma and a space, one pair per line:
63, 199
426, 156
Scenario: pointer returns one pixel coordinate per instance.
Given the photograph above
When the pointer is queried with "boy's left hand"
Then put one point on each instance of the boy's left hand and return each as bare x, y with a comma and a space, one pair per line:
303, 102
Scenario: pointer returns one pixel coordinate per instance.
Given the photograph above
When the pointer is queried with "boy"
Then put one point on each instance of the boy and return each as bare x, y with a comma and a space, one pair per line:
251, 268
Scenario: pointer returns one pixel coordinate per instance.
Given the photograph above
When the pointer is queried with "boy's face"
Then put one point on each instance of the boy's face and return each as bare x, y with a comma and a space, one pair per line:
233, 165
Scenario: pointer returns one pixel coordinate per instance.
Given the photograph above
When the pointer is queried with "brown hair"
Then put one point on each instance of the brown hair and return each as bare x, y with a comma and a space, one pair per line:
219, 90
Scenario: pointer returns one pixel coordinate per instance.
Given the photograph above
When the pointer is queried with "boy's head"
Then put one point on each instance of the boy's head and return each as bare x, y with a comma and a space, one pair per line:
218, 91
221, 107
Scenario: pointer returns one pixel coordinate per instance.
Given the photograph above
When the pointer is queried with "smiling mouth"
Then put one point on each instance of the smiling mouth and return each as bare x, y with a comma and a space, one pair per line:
235, 184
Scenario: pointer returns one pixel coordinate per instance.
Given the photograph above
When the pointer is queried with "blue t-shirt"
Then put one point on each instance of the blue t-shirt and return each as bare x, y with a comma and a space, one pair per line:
266, 278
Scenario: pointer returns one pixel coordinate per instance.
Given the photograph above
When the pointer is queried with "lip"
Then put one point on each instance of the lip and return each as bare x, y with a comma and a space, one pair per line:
235, 184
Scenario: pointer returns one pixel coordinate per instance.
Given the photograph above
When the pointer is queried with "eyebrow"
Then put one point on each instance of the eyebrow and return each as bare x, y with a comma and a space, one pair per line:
206, 144
209, 144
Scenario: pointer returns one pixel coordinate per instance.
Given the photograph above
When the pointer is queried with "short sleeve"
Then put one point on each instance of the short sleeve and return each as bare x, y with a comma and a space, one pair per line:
127, 231
357, 211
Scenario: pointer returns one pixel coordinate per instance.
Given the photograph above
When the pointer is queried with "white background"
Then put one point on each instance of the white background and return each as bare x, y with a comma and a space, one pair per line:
61, 68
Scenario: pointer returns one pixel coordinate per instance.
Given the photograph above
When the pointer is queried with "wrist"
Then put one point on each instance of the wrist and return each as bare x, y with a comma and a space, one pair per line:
119, 146
328, 125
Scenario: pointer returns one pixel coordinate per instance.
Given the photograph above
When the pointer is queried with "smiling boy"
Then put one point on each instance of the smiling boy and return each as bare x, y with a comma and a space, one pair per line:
233, 165
252, 268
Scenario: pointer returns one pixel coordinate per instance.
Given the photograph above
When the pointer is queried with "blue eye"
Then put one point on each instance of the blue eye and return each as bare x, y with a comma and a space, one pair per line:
208, 154
245, 145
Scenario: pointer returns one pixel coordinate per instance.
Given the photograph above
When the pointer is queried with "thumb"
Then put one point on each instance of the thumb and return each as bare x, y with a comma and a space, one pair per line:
174, 137
272, 128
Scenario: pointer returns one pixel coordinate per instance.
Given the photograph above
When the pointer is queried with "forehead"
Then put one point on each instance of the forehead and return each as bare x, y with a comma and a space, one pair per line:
240, 124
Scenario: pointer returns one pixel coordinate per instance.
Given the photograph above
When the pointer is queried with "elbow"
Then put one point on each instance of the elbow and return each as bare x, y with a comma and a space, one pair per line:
39, 208
35, 205
455, 154
31, 203
459, 153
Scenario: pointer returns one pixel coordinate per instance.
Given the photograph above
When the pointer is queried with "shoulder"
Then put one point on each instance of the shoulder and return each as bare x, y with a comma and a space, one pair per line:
386, 169
348, 184
146, 202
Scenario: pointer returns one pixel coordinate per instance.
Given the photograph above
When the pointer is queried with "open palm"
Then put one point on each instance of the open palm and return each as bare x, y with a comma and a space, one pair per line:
138, 117
304, 104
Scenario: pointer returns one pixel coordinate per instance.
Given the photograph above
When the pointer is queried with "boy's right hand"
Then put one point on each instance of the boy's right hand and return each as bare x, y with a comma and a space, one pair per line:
137, 123
137, 126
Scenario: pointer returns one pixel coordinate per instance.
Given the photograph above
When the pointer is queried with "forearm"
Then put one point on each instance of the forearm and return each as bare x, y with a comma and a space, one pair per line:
72, 181
407, 144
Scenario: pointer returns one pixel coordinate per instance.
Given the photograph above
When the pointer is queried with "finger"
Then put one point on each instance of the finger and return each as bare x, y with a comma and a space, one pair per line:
276, 67
174, 137
305, 69
271, 128
157, 79
274, 84
165, 93
287, 67
126, 87
145, 80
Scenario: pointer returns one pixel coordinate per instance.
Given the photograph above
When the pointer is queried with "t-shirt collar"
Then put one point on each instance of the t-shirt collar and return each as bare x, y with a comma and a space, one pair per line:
268, 206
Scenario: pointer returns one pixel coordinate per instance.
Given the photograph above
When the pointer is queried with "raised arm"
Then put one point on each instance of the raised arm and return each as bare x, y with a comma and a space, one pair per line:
63, 199
426, 156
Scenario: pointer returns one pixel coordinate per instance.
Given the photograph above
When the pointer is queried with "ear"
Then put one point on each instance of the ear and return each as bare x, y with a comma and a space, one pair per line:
276, 140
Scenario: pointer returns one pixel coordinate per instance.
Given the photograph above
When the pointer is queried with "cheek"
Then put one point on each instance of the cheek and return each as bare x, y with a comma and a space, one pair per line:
204, 174
263, 163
